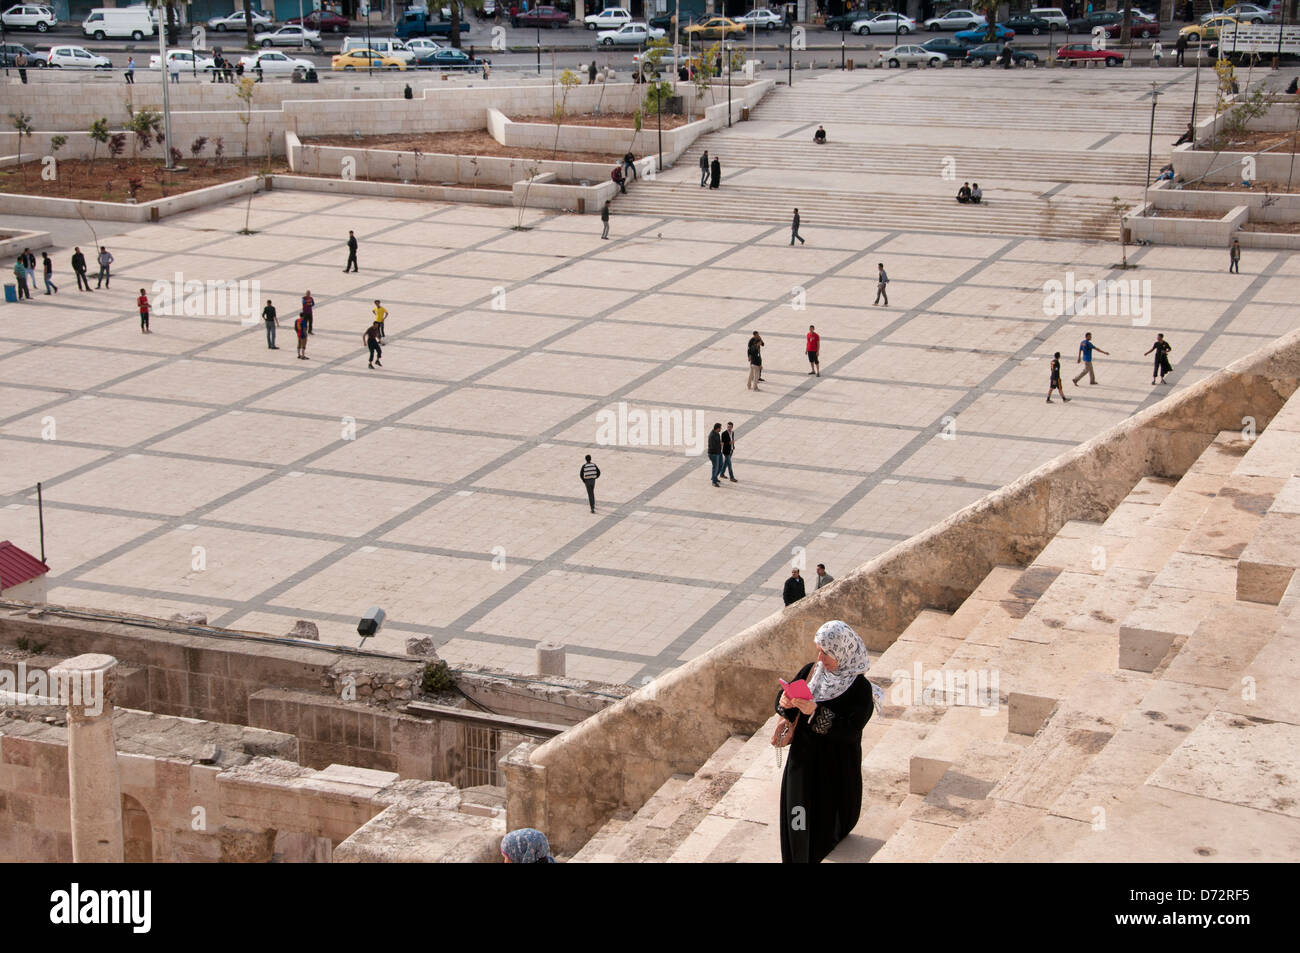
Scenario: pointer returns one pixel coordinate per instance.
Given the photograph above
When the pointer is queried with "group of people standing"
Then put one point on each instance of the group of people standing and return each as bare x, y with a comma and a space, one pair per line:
710, 171
25, 272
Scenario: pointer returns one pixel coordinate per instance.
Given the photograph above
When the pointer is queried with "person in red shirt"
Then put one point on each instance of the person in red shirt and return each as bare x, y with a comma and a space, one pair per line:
142, 303
300, 328
814, 349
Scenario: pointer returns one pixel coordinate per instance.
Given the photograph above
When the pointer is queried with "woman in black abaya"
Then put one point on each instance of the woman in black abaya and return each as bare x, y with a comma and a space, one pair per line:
821, 790
715, 173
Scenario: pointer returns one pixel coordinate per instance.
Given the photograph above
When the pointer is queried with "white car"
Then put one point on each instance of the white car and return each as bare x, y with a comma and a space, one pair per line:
76, 57
290, 36
236, 23
761, 19
629, 34
385, 45
29, 17
422, 44
273, 63
1053, 15
911, 54
610, 19
955, 20
885, 23
185, 60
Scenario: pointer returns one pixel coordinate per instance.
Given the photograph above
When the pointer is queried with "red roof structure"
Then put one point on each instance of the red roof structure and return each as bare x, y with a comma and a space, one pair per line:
18, 566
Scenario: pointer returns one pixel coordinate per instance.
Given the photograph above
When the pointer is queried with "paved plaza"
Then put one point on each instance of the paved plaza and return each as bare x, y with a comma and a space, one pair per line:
194, 469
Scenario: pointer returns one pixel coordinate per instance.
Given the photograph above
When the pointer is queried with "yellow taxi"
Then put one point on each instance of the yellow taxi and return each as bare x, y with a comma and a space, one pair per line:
717, 28
1209, 30
365, 59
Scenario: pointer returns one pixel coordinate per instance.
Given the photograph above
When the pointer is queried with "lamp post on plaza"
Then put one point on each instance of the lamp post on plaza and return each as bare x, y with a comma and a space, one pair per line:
370, 60
1196, 91
1155, 96
726, 47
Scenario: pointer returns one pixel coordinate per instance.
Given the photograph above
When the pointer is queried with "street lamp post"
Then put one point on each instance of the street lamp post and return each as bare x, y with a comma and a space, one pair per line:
726, 47
1196, 91
1151, 134
370, 60
539, 48
168, 165
789, 48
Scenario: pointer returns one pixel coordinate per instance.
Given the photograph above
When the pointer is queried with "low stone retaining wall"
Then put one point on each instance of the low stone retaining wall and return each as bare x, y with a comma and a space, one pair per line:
570, 786
13, 247
393, 190
1222, 216
123, 212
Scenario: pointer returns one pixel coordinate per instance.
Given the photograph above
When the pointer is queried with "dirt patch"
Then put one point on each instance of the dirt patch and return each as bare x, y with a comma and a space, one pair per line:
110, 181
1187, 213
363, 178
607, 120
1254, 141
472, 143
1278, 228
1258, 187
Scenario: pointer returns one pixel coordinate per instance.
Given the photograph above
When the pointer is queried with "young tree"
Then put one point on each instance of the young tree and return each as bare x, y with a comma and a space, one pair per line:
57, 143
1121, 209
146, 126
98, 137
244, 93
568, 81
22, 124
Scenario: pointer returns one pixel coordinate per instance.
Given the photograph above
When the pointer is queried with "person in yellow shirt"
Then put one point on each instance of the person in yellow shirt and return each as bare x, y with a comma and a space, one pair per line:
380, 314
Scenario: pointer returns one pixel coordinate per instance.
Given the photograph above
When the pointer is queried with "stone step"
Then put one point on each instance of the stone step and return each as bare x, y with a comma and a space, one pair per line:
958, 729
607, 843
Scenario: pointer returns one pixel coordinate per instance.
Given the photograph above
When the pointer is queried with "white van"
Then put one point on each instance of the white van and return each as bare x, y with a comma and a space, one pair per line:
386, 45
1053, 15
121, 22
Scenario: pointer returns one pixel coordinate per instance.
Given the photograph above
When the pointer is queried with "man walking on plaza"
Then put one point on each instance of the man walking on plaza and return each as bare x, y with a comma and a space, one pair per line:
268, 315
79, 269
589, 473
1234, 258
1180, 47
300, 329
755, 362
371, 340
728, 447
1086, 347
715, 453
20, 279
1054, 381
308, 305
882, 280
704, 169
142, 303
352, 253
823, 577
813, 349
380, 314
105, 262
48, 270
794, 590
604, 221
794, 229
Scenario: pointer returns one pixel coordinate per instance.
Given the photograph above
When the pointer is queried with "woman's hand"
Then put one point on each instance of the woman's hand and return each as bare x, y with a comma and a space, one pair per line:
805, 705
786, 701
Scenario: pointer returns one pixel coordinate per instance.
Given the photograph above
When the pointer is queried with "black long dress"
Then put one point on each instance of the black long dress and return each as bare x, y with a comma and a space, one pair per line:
821, 790
715, 174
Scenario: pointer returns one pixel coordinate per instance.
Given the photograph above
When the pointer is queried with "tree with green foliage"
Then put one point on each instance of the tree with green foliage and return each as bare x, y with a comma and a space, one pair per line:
568, 82
22, 124
98, 136
244, 93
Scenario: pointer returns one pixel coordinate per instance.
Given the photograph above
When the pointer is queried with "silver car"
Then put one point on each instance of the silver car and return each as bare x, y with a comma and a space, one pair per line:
290, 36
629, 34
910, 55
274, 63
236, 23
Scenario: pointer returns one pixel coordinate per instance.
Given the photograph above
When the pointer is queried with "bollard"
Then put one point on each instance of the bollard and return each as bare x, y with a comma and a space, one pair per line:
550, 658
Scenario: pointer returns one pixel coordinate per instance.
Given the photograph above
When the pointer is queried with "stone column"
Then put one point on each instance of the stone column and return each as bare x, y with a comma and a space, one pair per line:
85, 684
550, 658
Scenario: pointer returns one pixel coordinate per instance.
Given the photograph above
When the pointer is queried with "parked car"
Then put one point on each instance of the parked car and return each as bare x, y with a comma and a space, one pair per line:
610, 19
981, 34
76, 57
844, 21
762, 19
422, 44
550, 17
629, 34
1084, 51
29, 16
322, 21
236, 23
949, 46
716, 28
664, 21
883, 23
450, 58
185, 60
9, 52
291, 36
1209, 29
273, 62
987, 53
911, 55
1140, 27
364, 58
955, 20
119, 22
1053, 15
388, 46
1027, 23
1097, 18
1245, 12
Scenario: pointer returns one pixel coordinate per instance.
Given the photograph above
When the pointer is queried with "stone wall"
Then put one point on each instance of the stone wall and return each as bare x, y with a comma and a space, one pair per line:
616, 759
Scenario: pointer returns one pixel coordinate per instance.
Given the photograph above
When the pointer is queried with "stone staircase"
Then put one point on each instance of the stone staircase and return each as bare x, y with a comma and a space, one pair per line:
1143, 709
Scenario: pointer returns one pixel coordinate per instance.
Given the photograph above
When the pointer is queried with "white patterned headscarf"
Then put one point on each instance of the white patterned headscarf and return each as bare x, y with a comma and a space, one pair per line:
841, 643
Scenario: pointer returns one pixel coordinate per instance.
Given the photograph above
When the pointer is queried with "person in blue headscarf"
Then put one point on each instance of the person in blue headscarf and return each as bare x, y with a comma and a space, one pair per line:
526, 846
821, 790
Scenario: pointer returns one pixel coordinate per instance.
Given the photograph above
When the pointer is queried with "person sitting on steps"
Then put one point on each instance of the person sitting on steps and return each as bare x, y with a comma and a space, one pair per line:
964, 194
819, 137
976, 194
